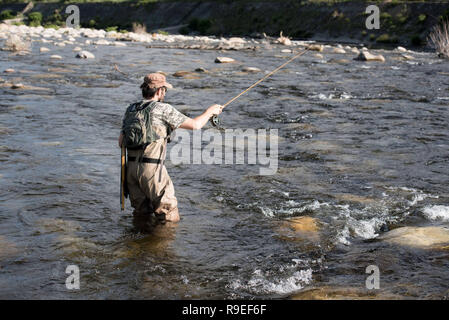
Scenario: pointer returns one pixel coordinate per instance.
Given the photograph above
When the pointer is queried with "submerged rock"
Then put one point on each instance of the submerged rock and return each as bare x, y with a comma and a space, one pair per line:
299, 229
43, 49
85, 55
316, 47
418, 237
186, 75
407, 57
76, 49
7, 248
366, 56
55, 56
224, 60
9, 70
251, 69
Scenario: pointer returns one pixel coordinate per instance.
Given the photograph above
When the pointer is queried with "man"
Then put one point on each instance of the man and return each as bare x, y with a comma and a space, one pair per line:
150, 187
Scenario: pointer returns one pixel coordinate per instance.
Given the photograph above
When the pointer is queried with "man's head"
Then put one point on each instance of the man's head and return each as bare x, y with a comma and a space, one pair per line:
155, 86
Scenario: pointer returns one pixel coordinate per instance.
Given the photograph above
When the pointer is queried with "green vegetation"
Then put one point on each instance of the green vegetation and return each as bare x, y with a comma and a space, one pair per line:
165, 33
422, 18
113, 28
7, 14
385, 38
200, 25
35, 19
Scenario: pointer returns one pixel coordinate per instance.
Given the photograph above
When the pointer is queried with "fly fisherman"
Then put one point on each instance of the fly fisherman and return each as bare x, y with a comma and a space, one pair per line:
146, 129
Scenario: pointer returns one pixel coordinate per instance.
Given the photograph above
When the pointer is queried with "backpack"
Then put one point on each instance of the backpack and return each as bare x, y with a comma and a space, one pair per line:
136, 127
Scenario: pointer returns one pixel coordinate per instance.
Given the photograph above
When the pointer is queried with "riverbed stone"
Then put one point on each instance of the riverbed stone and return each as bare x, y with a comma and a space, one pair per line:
55, 56
44, 49
10, 70
436, 237
251, 69
186, 75
401, 49
315, 47
85, 55
339, 50
367, 56
224, 60
299, 229
77, 49
7, 248
407, 57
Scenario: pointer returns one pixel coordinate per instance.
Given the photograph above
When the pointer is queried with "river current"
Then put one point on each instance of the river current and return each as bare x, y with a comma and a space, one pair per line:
363, 149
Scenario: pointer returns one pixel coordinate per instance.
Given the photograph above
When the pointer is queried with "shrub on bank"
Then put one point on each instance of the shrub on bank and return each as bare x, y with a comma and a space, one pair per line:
439, 39
35, 19
7, 14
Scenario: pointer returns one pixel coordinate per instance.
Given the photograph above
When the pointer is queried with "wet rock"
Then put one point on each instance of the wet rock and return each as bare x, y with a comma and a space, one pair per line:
17, 86
338, 61
85, 55
162, 72
346, 197
329, 293
77, 49
251, 69
355, 50
339, 50
286, 51
318, 55
202, 70
366, 56
119, 44
60, 44
224, 60
186, 75
236, 40
407, 57
9, 70
401, 49
102, 42
55, 56
284, 40
315, 47
418, 237
43, 49
7, 248
299, 229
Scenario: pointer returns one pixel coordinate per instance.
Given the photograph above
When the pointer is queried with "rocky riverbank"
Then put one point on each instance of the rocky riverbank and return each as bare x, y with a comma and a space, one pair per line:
406, 24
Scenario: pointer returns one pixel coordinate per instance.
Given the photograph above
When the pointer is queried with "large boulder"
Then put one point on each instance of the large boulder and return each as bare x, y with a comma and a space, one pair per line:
418, 237
366, 56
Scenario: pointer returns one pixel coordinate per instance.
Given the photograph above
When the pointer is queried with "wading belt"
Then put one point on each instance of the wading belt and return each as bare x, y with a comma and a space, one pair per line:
145, 160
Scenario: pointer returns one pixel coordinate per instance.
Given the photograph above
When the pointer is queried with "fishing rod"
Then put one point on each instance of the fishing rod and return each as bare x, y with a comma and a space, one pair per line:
215, 121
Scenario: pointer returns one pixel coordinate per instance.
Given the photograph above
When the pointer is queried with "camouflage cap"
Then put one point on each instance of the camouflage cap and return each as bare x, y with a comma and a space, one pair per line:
156, 80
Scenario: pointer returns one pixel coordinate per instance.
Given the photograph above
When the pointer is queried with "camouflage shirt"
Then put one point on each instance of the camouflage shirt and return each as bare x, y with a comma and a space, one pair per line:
164, 119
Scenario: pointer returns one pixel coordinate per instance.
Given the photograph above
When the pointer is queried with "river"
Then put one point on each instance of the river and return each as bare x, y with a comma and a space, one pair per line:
363, 149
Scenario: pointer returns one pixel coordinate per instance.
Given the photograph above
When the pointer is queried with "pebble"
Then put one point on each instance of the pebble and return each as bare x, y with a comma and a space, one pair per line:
224, 60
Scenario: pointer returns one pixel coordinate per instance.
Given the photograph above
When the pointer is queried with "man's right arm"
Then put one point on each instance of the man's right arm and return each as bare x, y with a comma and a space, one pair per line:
200, 121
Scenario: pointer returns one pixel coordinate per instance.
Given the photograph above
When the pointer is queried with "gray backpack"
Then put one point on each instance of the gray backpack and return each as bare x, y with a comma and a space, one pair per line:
136, 126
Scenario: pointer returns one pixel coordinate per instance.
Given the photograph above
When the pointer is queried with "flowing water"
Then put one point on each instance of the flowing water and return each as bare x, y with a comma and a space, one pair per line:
363, 148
